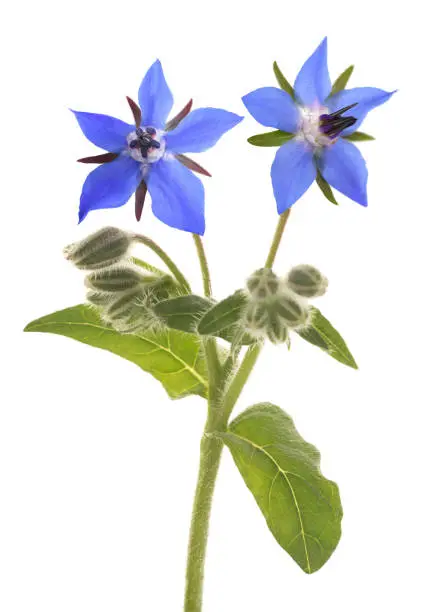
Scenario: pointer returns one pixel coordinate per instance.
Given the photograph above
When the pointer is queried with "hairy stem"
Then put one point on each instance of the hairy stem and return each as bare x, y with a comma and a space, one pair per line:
203, 263
220, 406
277, 238
166, 259
210, 456
253, 352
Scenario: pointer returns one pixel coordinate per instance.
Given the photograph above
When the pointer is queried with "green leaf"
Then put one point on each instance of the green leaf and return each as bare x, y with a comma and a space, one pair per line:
322, 334
223, 315
342, 81
283, 82
358, 137
325, 188
302, 508
183, 312
172, 357
270, 139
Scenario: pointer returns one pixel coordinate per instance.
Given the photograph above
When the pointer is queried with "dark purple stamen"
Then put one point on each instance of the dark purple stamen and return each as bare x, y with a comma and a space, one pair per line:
332, 125
145, 140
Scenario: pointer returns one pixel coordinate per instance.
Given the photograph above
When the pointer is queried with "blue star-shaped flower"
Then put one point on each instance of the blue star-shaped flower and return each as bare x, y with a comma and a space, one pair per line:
149, 155
317, 123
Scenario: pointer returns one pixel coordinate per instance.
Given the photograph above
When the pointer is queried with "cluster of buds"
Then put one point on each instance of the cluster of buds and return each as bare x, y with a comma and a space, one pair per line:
123, 292
275, 306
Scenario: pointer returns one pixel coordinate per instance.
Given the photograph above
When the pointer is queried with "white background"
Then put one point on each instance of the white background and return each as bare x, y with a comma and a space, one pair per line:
97, 467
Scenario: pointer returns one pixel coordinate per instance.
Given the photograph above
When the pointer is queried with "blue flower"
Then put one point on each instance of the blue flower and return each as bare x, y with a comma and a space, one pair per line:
315, 117
149, 156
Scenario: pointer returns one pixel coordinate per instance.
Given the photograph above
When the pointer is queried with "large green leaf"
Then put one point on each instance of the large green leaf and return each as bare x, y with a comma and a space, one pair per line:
322, 334
302, 508
270, 139
172, 357
341, 82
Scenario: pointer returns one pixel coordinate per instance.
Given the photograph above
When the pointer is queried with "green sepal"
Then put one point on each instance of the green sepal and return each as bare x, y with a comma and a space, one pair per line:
270, 139
341, 82
325, 188
172, 357
283, 82
359, 137
322, 334
184, 312
147, 266
302, 508
223, 315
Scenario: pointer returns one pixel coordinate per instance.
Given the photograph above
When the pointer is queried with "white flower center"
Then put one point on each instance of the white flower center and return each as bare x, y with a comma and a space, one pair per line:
309, 127
146, 145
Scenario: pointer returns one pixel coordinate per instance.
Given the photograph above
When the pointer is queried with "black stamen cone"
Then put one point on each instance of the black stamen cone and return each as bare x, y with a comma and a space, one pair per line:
332, 125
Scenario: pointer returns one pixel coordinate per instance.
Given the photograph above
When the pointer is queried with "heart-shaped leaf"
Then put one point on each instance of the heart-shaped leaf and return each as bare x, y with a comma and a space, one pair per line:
172, 357
302, 508
270, 139
322, 334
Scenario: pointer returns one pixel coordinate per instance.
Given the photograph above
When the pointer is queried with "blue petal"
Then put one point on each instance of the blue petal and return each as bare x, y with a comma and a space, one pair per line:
273, 107
366, 98
343, 166
292, 173
110, 185
313, 84
177, 196
105, 132
201, 129
155, 97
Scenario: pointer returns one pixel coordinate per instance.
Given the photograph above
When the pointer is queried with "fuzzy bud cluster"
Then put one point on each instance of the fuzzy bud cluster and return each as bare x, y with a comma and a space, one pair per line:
104, 248
275, 306
124, 293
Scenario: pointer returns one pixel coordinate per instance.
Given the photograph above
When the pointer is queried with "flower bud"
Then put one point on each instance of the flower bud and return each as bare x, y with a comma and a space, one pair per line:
263, 284
117, 279
125, 306
307, 281
276, 329
104, 248
293, 311
255, 316
97, 298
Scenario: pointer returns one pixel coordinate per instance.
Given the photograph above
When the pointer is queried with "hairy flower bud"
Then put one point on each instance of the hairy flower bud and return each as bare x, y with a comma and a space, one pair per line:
117, 279
125, 305
292, 310
263, 283
276, 329
97, 298
255, 316
104, 248
307, 281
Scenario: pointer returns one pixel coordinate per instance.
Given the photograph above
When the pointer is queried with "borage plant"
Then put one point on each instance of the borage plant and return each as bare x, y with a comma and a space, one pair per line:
151, 317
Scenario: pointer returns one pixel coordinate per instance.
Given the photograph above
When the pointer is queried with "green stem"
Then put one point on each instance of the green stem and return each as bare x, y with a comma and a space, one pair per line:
220, 407
166, 259
240, 378
210, 456
253, 352
203, 263
277, 238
